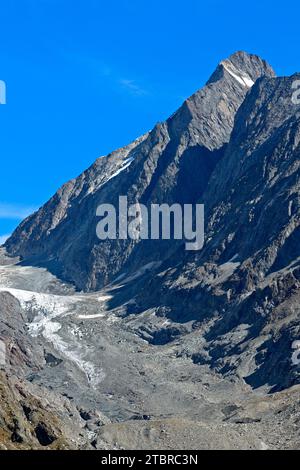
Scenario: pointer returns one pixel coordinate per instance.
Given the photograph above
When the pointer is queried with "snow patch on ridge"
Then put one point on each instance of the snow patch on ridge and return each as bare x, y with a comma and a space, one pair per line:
125, 165
240, 77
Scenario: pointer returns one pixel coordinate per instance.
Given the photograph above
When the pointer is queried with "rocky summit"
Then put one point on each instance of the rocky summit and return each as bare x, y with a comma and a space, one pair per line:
141, 344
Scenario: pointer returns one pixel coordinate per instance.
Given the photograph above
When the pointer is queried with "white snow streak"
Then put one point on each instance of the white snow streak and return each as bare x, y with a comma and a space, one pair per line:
243, 79
125, 165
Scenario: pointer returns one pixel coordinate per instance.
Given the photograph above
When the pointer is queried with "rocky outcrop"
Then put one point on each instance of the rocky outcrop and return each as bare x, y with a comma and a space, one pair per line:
34, 418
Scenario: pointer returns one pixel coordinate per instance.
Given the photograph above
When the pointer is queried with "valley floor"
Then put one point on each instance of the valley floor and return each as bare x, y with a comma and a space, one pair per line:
92, 368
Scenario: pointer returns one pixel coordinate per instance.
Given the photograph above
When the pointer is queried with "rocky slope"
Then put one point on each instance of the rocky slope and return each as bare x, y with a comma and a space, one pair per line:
31, 417
167, 346
80, 375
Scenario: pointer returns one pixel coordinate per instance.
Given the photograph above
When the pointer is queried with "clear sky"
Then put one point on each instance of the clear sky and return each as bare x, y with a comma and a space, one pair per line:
84, 77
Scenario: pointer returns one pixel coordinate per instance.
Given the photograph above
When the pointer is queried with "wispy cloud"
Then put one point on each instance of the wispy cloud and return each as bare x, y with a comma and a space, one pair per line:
133, 87
15, 211
3, 239
101, 70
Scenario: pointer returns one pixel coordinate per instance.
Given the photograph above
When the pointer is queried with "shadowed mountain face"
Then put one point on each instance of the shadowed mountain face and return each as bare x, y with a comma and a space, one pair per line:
171, 164
242, 289
180, 339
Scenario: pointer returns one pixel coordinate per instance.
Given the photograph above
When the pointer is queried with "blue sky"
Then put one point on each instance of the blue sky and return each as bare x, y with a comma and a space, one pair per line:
84, 77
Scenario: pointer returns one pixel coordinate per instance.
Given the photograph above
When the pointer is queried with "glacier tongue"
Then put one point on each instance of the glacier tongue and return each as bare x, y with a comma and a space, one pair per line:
49, 311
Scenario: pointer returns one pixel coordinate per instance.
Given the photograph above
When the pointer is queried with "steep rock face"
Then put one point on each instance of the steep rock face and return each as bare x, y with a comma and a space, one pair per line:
252, 197
21, 355
242, 289
172, 163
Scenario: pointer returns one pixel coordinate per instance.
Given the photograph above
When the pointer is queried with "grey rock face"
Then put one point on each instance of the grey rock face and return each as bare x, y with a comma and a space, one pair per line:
23, 356
245, 282
172, 163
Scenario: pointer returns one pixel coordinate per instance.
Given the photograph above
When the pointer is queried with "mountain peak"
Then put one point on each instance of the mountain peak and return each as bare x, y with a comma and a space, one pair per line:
244, 68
